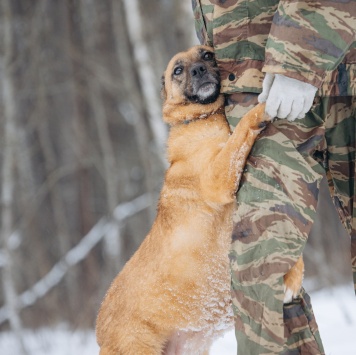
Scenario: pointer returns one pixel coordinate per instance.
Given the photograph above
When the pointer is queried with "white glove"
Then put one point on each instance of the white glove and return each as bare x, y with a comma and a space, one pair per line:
286, 97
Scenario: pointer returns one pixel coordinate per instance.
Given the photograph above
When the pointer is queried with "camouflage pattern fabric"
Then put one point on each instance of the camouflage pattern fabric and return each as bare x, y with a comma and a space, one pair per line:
243, 33
300, 328
278, 193
276, 208
317, 33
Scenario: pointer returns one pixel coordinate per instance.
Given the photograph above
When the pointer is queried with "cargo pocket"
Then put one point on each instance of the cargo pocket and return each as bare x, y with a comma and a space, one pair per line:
300, 328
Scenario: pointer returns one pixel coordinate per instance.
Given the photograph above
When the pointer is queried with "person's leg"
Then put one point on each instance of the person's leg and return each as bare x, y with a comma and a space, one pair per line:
276, 200
341, 146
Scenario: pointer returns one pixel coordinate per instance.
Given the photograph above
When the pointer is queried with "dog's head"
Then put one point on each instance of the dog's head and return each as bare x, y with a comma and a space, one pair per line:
191, 78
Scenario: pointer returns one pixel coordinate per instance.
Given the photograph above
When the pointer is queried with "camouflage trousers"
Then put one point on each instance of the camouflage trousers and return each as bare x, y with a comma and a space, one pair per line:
277, 201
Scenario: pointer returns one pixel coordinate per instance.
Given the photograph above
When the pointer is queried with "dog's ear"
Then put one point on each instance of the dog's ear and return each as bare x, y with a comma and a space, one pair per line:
163, 88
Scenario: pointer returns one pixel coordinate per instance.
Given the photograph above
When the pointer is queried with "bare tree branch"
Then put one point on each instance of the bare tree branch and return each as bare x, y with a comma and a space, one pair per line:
76, 254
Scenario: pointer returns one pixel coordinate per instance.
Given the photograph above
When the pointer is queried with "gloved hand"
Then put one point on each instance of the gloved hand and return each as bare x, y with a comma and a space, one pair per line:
286, 97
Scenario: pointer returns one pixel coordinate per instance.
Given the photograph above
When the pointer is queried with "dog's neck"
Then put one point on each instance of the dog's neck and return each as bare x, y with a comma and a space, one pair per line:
219, 111
176, 114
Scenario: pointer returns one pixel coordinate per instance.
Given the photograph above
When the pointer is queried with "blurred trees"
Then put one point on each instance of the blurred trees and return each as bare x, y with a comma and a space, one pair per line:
81, 132
82, 151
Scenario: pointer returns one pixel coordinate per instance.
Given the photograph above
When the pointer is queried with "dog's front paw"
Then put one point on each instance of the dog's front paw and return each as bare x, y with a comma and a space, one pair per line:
293, 281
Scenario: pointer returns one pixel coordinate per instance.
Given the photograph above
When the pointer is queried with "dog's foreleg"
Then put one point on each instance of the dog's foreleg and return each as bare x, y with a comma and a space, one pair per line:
226, 170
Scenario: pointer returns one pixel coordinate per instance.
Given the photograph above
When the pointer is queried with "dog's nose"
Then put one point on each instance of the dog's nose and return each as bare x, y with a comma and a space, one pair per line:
198, 70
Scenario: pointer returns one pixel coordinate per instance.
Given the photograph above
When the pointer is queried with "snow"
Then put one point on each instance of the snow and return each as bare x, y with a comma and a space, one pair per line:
58, 341
335, 311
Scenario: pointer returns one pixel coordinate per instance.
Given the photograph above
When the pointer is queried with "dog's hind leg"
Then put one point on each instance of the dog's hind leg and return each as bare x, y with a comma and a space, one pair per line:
107, 351
138, 343
134, 349
188, 343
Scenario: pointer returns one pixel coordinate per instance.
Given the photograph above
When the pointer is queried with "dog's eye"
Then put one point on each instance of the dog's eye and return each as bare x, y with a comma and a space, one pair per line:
208, 56
178, 71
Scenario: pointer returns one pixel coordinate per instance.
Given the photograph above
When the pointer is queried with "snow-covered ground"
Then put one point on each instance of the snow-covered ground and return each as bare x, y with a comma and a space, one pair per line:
335, 311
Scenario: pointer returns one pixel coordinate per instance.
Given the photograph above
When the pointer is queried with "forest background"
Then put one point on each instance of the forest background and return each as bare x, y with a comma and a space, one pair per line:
82, 154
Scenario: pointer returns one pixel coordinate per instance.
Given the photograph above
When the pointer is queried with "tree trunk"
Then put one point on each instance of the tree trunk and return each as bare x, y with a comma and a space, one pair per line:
8, 176
146, 75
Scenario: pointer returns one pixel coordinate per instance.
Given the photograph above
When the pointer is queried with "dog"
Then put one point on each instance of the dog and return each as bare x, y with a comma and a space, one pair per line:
173, 295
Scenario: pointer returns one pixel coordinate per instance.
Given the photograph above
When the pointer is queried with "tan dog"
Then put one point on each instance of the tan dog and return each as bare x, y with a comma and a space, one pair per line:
173, 295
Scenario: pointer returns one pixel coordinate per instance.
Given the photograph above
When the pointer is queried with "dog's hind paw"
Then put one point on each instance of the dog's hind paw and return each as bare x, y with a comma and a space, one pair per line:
293, 281
289, 294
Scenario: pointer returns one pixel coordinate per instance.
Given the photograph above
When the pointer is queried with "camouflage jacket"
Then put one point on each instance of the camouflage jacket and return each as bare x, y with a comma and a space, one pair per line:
313, 41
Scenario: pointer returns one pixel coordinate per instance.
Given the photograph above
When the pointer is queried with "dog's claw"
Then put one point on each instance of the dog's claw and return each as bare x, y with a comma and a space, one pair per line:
262, 124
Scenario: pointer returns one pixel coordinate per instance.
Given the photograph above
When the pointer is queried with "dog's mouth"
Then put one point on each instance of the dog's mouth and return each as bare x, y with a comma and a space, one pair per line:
206, 93
206, 89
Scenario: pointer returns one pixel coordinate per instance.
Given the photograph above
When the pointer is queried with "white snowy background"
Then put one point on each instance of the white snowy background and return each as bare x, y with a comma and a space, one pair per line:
335, 311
